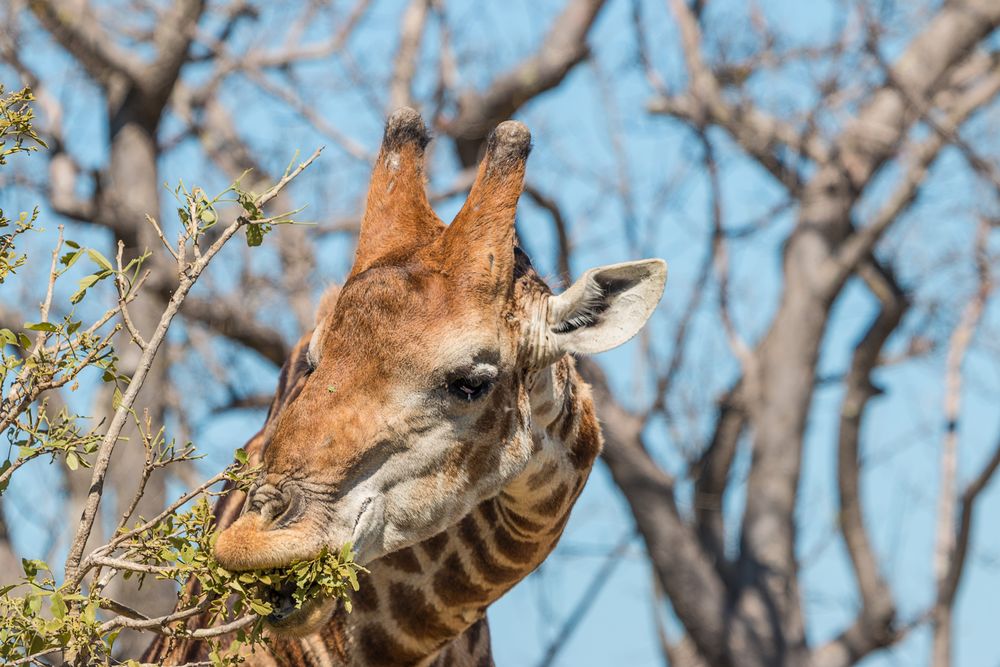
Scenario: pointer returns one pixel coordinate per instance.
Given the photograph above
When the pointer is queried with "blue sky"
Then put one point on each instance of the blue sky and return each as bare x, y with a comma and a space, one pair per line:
576, 160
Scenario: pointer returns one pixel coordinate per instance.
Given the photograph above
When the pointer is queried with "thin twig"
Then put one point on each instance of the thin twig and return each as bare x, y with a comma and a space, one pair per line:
187, 279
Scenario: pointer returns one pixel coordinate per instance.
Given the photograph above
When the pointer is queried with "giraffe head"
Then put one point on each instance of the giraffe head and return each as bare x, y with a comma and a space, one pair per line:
417, 405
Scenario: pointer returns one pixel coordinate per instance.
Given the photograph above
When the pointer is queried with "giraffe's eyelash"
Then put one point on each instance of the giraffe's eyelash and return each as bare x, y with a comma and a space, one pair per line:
471, 383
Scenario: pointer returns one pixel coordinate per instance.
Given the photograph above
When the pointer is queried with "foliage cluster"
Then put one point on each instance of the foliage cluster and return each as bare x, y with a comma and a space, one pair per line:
67, 612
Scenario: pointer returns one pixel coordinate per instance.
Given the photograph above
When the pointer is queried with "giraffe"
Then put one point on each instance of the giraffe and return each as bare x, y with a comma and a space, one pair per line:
434, 418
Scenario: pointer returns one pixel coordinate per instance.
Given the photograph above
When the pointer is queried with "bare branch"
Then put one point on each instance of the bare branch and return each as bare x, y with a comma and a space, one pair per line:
946, 570
872, 628
172, 38
762, 136
228, 318
81, 35
711, 477
949, 37
861, 243
411, 30
562, 47
561, 229
695, 589
587, 599
103, 457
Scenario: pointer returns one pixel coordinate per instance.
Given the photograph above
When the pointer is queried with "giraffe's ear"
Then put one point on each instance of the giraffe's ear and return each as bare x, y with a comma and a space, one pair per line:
606, 306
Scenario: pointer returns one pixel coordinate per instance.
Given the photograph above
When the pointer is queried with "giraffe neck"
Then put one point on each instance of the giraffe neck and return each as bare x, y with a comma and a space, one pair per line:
429, 599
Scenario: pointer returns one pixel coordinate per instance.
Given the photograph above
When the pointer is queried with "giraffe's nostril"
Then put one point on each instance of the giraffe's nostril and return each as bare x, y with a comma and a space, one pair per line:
279, 507
293, 507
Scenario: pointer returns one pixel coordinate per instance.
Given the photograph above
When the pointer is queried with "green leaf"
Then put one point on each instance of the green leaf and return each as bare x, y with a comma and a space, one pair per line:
72, 461
8, 337
69, 259
100, 259
255, 235
58, 606
88, 281
41, 326
241, 456
261, 608
34, 565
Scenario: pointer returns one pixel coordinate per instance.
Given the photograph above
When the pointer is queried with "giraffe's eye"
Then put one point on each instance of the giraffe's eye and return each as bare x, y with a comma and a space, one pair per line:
469, 389
471, 383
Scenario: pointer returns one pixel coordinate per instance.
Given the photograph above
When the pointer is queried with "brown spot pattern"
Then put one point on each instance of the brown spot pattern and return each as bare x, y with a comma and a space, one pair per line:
487, 420
404, 560
381, 650
365, 599
513, 549
435, 546
568, 418
473, 634
453, 586
481, 557
522, 523
488, 510
559, 525
415, 616
334, 639
540, 477
588, 441
553, 501
287, 652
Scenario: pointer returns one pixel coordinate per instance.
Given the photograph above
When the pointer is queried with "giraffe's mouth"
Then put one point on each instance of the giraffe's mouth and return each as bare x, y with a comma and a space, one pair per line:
283, 605
289, 618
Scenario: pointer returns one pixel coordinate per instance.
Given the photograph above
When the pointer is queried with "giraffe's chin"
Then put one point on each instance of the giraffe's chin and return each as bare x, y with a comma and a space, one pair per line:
302, 621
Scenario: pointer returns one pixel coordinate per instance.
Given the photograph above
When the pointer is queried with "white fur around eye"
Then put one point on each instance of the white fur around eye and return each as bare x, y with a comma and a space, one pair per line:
485, 372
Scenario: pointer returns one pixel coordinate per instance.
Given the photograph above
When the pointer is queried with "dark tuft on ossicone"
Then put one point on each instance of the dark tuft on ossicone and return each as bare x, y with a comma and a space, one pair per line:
405, 127
508, 146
